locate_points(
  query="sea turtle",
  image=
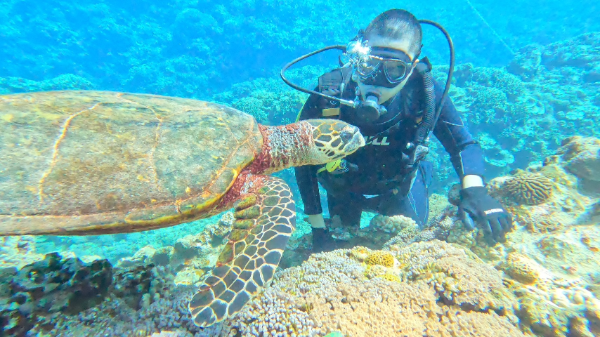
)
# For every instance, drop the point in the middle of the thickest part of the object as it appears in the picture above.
(94, 162)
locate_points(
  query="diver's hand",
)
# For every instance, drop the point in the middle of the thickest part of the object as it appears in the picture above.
(487, 213)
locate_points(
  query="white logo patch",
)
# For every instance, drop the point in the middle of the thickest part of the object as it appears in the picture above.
(493, 210)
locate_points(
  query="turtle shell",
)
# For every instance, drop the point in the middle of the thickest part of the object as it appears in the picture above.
(86, 162)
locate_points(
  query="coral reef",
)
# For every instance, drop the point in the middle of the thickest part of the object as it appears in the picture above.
(521, 113)
(185, 48)
(556, 198)
(191, 257)
(269, 100)
(140, 291)
(162, 308)
(391, 224)
(383, 228)
(336, 292)
(459, 277)
(135, 301)
(121, 246)
(42, 290)
(551, 257)
(12, 85)
(526, 270)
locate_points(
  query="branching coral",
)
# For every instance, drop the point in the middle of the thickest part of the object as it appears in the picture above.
(528, 188)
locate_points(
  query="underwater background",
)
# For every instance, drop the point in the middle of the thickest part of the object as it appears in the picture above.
(526, 81)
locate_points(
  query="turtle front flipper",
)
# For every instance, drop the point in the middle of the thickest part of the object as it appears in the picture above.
(265, 217)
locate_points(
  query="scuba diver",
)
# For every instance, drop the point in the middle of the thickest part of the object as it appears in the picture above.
(388, 93)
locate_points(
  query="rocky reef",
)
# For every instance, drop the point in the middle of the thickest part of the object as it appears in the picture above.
(65, 296)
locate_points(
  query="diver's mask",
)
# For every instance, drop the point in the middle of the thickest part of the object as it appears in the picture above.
(375, 67)
(383, 67)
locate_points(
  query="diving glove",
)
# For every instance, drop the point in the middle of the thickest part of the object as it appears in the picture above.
(322, 241)
(487, 213)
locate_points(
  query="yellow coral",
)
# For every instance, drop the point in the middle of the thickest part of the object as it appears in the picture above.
(380, 258)
(391, 277)
(528, 188)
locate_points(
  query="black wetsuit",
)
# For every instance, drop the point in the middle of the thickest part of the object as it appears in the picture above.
(376, 178)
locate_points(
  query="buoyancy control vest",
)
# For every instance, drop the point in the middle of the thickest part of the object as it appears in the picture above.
(338, 83)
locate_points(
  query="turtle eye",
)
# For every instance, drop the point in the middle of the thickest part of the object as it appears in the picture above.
(346, 136)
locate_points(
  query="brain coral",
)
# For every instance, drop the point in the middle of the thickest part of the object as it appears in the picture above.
(528, 188)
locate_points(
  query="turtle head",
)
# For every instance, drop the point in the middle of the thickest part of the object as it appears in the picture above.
(309, 142)
(333, 139)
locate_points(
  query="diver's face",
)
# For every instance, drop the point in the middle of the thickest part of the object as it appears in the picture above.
(384, 93)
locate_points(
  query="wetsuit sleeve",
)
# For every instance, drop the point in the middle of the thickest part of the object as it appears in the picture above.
(465, 153)
(306, 176)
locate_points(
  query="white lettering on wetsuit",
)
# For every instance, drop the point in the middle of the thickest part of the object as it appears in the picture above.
(375, 141)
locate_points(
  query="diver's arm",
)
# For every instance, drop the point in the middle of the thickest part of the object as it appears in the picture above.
(306, 176)
(465, 153)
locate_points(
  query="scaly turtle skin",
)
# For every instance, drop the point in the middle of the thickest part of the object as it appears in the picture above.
(91, 162)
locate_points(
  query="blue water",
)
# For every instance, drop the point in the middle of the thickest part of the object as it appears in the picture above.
(231, 52)
(200, 48)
